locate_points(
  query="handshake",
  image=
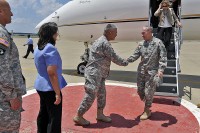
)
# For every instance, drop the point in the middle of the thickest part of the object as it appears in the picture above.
(126, 62)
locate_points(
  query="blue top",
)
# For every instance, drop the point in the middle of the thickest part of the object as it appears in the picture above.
(30, 41)
(44, 58)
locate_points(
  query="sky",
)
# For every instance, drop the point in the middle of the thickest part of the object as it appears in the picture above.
(28, 13)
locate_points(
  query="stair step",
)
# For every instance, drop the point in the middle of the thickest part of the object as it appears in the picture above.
(171, 67)
(169, 76)
(168, 84)
(171, 63)
(170, 55)
(167, 89)
(170, 71)
(169, 79)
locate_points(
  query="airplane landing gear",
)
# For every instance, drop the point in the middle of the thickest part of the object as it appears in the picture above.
(81, 68)
(84, 58)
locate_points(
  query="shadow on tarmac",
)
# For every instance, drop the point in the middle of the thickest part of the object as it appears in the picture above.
(121, 122)
(117, 121)
(162, 116)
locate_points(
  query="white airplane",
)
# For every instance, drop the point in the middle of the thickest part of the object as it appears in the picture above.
(84, 20)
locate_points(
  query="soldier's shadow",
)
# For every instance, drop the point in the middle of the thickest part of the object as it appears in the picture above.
(120, 122)
(117, 121)
(161, 116)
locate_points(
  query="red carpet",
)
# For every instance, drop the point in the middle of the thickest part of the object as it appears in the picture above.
(123, 106)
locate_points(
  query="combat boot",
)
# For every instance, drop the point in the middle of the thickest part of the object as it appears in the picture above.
(198, 105)
(79, 120)
(146, 114)
(102, 117)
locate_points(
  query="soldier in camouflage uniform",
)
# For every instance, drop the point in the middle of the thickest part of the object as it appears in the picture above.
(150, 70)
(97, 70)
(12, 85)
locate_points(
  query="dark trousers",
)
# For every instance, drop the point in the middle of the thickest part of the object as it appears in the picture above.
(50, 115)
(165, 34)
(30, 49)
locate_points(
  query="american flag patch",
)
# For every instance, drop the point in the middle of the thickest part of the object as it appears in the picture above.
(4, 42)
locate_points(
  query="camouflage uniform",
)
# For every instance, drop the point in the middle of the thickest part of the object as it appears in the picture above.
(11, 83)
(153, 58)
(97, 70)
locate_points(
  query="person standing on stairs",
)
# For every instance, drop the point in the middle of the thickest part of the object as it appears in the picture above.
(167, 18)
(150, 70)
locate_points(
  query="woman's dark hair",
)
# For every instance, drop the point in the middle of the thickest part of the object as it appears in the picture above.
(46, 33)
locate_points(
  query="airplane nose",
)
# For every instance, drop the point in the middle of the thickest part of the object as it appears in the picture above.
(51, 18)
(38, 26)
(47, 19)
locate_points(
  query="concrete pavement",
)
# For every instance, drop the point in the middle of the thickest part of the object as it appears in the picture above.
(189, 78)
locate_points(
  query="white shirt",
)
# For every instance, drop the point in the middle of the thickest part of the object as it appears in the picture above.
(29, 41)
(166, 23)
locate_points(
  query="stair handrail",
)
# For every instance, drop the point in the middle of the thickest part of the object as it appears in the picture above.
(178, 35)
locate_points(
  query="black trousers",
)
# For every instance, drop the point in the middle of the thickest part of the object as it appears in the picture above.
(30, 49)
(50, 115)
(165, 34)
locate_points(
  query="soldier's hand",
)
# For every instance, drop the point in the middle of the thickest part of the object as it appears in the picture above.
(58, 99)
(160, 74)
(125, 63)
(129, 60)
(179, 24)
(15, 104)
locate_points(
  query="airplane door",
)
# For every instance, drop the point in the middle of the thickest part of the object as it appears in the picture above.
(153, 6)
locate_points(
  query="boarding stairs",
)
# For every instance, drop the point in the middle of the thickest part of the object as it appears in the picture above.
(169, 87)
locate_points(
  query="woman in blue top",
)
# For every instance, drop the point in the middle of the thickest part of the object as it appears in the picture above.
(49, 81)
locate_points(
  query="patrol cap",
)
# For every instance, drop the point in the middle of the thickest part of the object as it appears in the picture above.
(109, 27)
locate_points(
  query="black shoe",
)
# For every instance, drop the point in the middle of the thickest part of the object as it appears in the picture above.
(179, 71)
(25, 57)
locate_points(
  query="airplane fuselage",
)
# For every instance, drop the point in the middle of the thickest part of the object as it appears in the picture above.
(84, 20)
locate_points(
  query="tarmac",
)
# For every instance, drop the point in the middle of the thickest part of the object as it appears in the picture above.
(124, 108)
(189, 79)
